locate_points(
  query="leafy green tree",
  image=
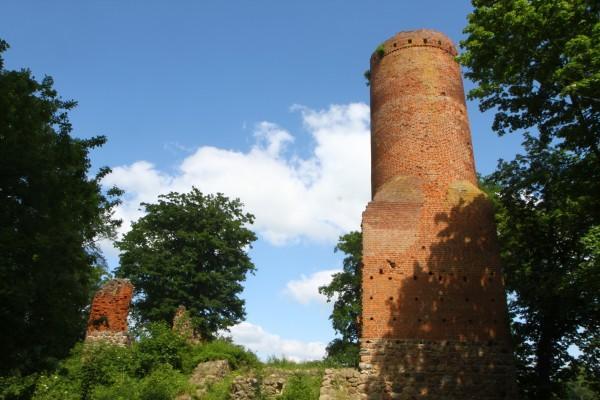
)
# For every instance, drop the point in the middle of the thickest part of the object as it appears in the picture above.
(345, 287)
(536, 63)
(51, 213)
(189, 249)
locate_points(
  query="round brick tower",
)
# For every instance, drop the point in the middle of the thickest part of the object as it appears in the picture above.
(434, 321)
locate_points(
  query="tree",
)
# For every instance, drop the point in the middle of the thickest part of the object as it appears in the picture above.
(346, 288)
(51, 213)
(537, 64)
(189, 249)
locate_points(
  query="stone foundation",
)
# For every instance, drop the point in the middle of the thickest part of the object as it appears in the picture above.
(414, 369)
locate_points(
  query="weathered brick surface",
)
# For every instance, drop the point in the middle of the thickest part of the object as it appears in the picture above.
(431, 263)
(108, 315)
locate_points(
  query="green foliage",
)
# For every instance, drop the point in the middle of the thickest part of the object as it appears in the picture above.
(189, 249)
(346, 285)
(17, 387)
(343, 353)
(219, 390)
(153, 368)
(380, 51)
(236, 355)
(163, 383)
(159, 345)
(367, 76)
(537, 64)
(302, 386)
(51, 214)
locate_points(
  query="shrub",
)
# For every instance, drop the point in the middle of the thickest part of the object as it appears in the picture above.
(17, 387)
(157, 345)
(219, 390)
(237, 356)
(164, 383)
(124, 389)
(302, 386)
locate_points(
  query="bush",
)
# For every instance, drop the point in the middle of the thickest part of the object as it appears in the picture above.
(302, 386)
(219, 390)
(164, 383)
(237, 356)
(17, 387)
(153, 369)
(157, 345)
(125, 389)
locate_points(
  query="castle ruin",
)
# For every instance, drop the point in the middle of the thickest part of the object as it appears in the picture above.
(434, 321)
(108, 315)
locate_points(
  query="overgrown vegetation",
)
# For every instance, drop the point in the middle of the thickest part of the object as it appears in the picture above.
(536, 64)
(52, 212)
(346, 288)
(380, 51)
(155, 367)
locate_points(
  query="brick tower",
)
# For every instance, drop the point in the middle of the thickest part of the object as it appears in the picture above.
(434, 321)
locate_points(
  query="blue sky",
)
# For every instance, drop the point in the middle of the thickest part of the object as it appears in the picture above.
(261, 100)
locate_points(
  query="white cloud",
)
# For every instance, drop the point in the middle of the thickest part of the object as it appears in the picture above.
(267, 344)
(317, 197)
(306, 289)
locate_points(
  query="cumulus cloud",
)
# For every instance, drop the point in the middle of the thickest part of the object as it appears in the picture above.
(266, 344)
(317, 197)
(306, 289)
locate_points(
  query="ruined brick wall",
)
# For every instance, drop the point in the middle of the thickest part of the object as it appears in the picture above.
(434, 321)
(108, 315)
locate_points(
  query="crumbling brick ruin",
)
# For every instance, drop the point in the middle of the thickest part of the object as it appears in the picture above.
(434, 321)
(183, 326)
(108, 315)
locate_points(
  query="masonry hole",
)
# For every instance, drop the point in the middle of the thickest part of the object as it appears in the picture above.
(371, 318)
(416, 299)
(440, 278)
(430, 273)
(414, 277)
(371, 277)
(393, 319)
(423, 247)
(371, 298)
(439, 42)
(381, 270)
(464, 278)
(389, 278)
(391, 298)
(394, 44)
(424, 40)
(409, 41)
(419, 320)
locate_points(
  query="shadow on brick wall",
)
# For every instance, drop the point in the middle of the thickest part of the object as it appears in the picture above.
(448, 334)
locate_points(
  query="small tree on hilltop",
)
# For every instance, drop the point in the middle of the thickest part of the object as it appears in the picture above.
(189, 249)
